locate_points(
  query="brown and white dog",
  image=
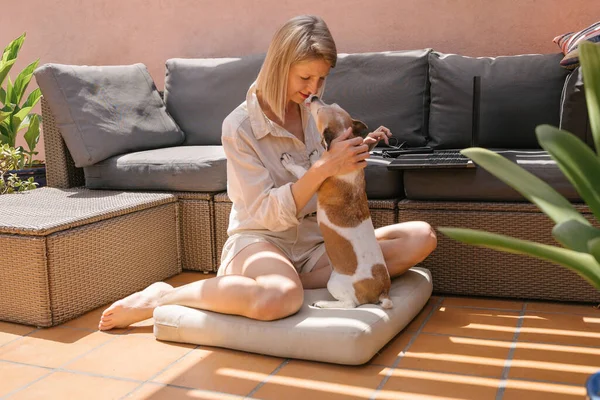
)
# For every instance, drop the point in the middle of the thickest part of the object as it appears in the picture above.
(359, 273)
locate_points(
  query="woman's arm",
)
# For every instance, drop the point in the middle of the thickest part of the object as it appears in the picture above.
(343, 156)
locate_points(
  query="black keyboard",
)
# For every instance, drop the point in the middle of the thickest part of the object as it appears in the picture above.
(443, 157)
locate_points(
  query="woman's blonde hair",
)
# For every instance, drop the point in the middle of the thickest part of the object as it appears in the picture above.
(302, 38)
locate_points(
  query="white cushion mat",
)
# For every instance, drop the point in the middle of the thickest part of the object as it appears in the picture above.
(341, 336)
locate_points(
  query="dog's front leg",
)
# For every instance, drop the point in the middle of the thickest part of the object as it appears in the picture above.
(288, 163)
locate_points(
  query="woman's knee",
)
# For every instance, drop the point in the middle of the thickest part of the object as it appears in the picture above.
(276, 303)
(427, 236)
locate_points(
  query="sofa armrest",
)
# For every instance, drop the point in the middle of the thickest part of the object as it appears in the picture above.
(61, 171)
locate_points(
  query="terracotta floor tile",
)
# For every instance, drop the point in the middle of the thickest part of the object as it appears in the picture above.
(483, 303)
(10, 332)
(390, 352)
(488, 324)
(314, 381)
(519, 390)
(188, 277)
(219, 370)
(409, 384)
(416, 323)
(561, 328)
(152, 391)
(52, 347)
(15, 376)
(588, 309)
(131, 356)
(460, 355)
(63, 385)
(554, 363)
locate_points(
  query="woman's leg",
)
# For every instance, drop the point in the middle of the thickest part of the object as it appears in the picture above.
(259, 283)
(406, 244)
(403, 245)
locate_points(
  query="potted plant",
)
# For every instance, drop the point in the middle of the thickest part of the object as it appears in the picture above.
(580, 240)
(16, 113)
(9, 181)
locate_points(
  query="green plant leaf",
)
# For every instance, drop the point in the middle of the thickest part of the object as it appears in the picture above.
(2, 95)
(22, 81)
(594, 248)
(9, 56)
(5, 112)
(4, 138)
(33, 98)
(575, 235)
(8, 136)
(19, 117)
(582, 263)
(549, 201)
(589, 57)
(577, 162)
(9, 92)
(5, 67)
(32, 135)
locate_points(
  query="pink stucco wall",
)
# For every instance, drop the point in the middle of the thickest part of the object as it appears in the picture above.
(151, 31)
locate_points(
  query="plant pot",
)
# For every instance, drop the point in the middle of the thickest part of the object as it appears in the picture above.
(593, 386)
(37, 172)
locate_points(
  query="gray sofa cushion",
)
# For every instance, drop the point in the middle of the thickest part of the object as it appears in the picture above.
(517, 94)
(182, 168)
(103, 111)
(200, 93)
(387, 88)
(382, 183)
(573, 108)
(476, 184)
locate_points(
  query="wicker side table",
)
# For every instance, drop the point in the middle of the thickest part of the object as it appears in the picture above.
(64, 252)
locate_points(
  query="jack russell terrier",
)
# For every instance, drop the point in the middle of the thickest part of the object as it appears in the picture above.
(359, 274)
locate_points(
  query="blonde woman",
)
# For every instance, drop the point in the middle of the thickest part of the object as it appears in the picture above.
(275, 248)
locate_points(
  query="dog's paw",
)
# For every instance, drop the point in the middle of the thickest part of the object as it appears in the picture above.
(287, 160)
(313, 156)
(333, 304)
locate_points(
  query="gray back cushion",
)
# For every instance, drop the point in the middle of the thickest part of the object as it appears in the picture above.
(387, 88)
(200, 93)
(573, 108)
(517, 94)
(103, 111)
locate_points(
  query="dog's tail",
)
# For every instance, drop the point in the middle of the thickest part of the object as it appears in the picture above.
(385, 300)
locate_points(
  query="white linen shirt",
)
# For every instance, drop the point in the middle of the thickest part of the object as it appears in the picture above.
(258, 184)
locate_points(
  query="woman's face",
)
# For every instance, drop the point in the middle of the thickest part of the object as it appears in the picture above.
(306, 78)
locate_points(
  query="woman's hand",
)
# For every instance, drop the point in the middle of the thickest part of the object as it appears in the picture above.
(344, 155)
(378, 134)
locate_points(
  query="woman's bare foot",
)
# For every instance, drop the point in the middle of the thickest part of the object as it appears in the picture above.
(134, 308)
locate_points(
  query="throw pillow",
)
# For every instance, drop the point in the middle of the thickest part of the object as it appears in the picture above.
(569, 44)
(200, 93)
(384, 88)
(517, 94)
(573, 108)
(103, 111)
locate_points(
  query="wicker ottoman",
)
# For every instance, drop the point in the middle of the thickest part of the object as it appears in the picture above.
(64, 252)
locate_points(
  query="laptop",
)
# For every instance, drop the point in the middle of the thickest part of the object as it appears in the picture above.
(430, 158)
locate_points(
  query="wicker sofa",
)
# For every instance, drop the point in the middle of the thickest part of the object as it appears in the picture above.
(423, 97)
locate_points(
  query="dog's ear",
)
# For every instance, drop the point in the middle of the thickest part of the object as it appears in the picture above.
(359, 128)
(328, 136)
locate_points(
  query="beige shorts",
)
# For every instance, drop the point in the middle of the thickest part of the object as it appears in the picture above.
(303, 260)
